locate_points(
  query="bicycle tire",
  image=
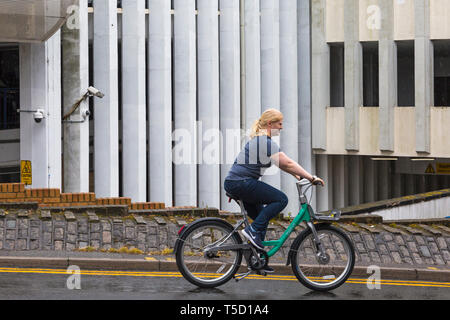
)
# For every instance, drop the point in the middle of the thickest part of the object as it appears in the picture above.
(205, 279)
(317, 278)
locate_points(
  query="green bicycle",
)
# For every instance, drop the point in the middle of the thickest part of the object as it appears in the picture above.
(209, 251)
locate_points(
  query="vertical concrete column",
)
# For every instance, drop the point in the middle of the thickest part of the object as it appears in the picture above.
(305, 155)
(208, 104)
(353, 74)
(185, 115)
(134, 132)
(40, 88)
(384, 180)
(355, 179)
(230, 91)
(320, 82)
(370, 180)
(423, 48)
(75, 74)
(252, 62)
(410, 184)
(270, 54)
(434, 183)
(421, 183)
(270, 71)
(397, 185)
(106, 118)
(159, 68)
(289, 95)
(325, 194)
(340, 182)
(387, 76)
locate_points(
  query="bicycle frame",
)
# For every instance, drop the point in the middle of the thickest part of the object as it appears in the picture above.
(303, 215)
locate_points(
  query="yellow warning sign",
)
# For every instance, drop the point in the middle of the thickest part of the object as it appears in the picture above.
(443, 168)
(25, 172)
(430, 169)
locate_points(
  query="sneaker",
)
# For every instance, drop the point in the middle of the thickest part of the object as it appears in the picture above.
(254, 237)
(268, 269)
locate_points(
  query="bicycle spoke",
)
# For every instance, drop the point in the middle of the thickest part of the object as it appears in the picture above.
(327, 268)
(208, 266)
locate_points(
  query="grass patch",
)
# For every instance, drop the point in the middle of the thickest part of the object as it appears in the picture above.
(164, 252)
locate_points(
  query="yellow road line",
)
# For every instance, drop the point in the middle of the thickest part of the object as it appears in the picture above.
(210, 275)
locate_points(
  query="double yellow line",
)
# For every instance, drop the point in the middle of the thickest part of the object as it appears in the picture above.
(178, 275)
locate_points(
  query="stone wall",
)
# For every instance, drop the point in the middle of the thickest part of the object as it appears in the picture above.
(415, 242)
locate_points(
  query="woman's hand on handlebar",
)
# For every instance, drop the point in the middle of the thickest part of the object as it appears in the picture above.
(317, 181)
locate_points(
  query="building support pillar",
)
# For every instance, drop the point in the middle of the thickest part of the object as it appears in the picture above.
(370, 180)
(353, 74)
(230, 91)
(106, 120)
(325, 194)
(356, 180)
(270, 72)
(208, 104)
(388, 76)
(75, 74)
(252, 63)
(340, 182)
(134, 133)
(160, 102)
(289, 96)
(304, 120)
(320, 83)
(410, 184)
(185, 135)
(424, 78)
(384, 180)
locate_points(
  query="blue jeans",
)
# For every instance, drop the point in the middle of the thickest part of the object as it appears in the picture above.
(261, 201)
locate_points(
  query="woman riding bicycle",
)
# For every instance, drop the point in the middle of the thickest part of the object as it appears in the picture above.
(262, 201)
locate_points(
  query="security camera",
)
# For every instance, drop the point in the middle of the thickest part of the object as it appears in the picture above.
(38, 115)
(95, 92)
(86, 114)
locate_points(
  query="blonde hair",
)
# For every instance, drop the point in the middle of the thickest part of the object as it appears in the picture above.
(260, 125)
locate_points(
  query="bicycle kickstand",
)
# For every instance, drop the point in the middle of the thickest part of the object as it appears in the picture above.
(241, 276)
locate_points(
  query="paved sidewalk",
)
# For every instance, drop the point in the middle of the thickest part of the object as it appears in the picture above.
(167, 263)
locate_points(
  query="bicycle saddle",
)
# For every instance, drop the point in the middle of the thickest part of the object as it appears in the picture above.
(232, 197)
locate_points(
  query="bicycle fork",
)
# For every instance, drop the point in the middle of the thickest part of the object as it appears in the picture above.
(321, 254)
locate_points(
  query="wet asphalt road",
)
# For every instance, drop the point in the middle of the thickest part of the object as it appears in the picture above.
(45, 285)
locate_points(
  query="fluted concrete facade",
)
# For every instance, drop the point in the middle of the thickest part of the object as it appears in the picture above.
(106, 73)
(134, 126)
(194, 79)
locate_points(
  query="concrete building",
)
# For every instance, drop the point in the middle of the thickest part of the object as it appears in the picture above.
(380, 70)
(183, 81)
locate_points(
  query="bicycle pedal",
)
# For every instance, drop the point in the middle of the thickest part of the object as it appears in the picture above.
(262, 273)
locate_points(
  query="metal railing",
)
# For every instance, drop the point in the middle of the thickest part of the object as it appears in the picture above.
(9, 103)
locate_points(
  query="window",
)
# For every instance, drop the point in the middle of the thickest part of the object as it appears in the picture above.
(9, 88)
(370, 74)
(442, 73)
(337, 75)
(10, 175)
(405, 74)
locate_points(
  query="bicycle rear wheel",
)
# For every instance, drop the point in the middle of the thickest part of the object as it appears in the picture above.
(208, 269)
(326, 273)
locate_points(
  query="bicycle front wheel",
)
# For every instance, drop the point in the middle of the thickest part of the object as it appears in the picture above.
(204, 268)
(323, 273)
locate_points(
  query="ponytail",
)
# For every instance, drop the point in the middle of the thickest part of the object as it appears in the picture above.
(256, 130)
(259, 126)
